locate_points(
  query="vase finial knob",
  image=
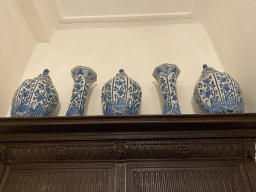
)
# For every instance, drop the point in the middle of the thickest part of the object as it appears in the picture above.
(46, 71)
(205, 66)
(45, 74)
(121, 72)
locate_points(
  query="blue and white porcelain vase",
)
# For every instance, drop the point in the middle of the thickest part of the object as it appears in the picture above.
(35, 97)
(121, 95)
(83, 78)
(217, 92)
(166, 76)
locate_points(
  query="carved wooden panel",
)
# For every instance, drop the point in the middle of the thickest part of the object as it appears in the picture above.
(184, 149)
(27, 152)
(123, 150)
(187, 180)
(129, 153)
(181, 176)
(59, 180)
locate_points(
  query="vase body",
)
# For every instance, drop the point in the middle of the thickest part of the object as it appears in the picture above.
(121, 96)
(83, 78)
(35, 97)
(166, 76)
(217, 92)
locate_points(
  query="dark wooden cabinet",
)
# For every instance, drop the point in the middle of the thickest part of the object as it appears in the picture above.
(144, 153)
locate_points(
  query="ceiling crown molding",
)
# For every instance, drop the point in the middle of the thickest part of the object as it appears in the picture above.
(126, 18)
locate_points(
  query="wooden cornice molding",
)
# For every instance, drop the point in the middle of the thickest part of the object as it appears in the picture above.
(121, 138)
(128, 127)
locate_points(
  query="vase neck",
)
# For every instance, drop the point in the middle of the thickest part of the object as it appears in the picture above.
(165, 70)
(85, 73)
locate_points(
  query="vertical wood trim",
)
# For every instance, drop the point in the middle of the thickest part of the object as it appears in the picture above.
(2, 167)
(4, 178)
(245, 177)
(120, 178)
(251, 172)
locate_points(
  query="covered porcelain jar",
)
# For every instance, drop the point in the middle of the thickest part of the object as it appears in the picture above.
(217, 92)
(121, 95)
(35, 97)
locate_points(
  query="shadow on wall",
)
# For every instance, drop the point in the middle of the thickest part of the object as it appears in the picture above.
(56, 112)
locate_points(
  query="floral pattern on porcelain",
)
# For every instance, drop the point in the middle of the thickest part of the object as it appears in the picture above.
(121, 95)
(35, 97)
(217, 92)
(83, 78)
(166, 76)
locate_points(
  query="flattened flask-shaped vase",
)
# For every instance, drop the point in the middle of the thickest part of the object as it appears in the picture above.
(83, 78)
(166, 76)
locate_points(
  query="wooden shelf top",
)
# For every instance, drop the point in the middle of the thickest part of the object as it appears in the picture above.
(128, 127)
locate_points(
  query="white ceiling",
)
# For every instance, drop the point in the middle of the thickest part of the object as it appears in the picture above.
(98, 11)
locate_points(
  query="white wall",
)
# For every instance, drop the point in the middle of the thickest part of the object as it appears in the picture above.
(40, 18)
(16, 46)
(231, 26)
(137, 50)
